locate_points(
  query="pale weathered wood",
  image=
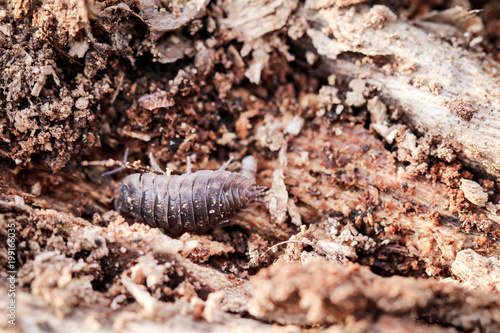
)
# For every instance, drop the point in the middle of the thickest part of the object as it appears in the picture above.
(443, 89)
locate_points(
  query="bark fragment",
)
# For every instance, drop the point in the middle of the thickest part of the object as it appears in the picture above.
(327, 292)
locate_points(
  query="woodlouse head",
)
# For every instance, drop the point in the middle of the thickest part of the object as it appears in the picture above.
(122, 203)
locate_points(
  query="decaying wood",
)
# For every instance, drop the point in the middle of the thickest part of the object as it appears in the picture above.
(362, 124)
(357, 185)
(442, 90)
(83, 319)
(478, 271)
(322, 292)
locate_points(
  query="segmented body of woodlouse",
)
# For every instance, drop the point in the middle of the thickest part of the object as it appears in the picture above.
(187, 202)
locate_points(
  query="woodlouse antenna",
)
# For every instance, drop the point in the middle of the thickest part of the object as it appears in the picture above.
(125, 165)
(119, 169)
(106, 174)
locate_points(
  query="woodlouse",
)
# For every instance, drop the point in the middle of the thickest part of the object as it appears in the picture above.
(188, 202)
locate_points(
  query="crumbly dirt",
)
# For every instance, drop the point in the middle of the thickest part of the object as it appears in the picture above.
(369, 224)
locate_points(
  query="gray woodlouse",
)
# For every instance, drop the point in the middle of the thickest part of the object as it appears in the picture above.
(188, 202)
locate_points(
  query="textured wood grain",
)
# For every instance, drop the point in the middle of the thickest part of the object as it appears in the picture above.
(442, 89)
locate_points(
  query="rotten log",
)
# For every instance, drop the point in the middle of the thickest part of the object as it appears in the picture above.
(443, 90)
(393, 197)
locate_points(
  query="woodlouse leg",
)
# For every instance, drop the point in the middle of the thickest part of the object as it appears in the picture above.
(226, 164)
(156, 168)
(155, 165)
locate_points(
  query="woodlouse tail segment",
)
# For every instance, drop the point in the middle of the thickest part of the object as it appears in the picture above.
(259, 200)
(106, 174)
(254, 192)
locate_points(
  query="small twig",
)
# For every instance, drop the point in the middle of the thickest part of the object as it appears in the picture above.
(317, 248)
(118, 88)
(108, 164)
(12, 206)
(136, 165)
